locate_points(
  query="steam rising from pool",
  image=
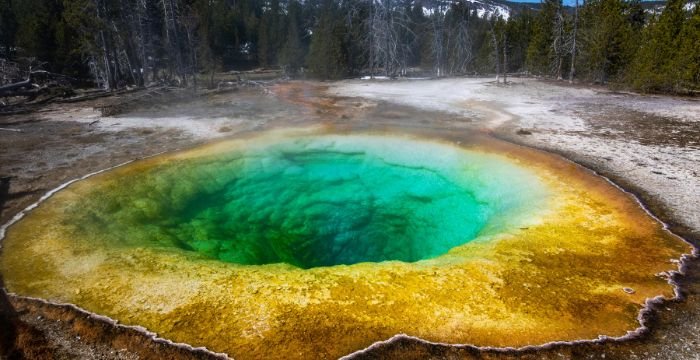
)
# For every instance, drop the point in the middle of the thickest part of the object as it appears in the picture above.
(314, 201)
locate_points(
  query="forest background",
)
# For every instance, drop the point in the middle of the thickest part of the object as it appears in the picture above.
(117, 43)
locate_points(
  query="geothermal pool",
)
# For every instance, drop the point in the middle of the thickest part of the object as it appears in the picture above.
(306, 243)
(313, 201)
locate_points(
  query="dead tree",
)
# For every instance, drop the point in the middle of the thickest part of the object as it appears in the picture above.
(172, 36)
(505, 56)
(189, 25)
(17, 89)
(493, 24)
(558, 41)
(459, 39)
(438, 46)
(38, 82)
(9, 71)
(106, 51)
(371, 39)
(573, 45)
(388, 26)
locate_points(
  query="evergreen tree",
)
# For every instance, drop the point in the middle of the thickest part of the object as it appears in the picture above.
(326, 57)
(540, 47)
(687, 59)
(655, 67)
(37, 22)
(417, 26)
(354, 15)
(269, 34)
(519, 31)
(8, 29)
(293, 52)
(122, 42)
(608, 40)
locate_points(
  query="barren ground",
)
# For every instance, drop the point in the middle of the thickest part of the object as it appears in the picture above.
(649, 145)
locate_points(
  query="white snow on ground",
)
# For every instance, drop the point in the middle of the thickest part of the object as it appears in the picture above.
(669, 173)
(483, 9)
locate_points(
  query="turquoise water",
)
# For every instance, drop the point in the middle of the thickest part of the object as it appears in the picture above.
(316, 201)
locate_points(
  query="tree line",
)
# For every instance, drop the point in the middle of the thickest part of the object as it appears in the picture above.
(114, 43)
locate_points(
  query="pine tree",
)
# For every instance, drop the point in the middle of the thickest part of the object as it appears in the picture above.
(326, 57)
(8, 29)
(655, 67)
(265, 46)
(540, 47)
(608, 40)
(687, 59)
(519, 31)
(293, 51)
(35, 36)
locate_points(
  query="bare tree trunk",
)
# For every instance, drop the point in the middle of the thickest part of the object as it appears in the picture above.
(505, 56)
(559, 40)
(559, 67)
(387, 30)
(117, 71)
(371, 39)
(189, 25)
(438, 42)
(130, 41)
(573, 46)
(143, 37)
(172, 37)
(494, 39)
(463, 44)
(9, 88)
(111, 83)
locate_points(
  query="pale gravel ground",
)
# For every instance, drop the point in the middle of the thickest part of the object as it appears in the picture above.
(561, 118)
(206, 118)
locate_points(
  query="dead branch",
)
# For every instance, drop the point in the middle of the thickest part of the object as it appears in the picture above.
(17, 88)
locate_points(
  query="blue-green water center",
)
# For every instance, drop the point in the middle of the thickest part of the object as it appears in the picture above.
(313, 201)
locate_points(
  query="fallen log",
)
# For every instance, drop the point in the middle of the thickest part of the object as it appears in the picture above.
(16, 88)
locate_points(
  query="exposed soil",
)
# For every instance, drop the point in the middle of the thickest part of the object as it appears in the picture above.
(647, 129)
(65, 141)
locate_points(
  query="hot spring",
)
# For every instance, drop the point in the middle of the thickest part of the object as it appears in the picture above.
(304, 243)
(317, 201)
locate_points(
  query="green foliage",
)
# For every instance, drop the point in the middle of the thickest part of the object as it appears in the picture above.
(539, 49)
(485, 61)
(122, 42)
(293, 51)
(608, 39)
(270, 34)
(519, 32)
(661, 64)
(8, 28)
(687, 58)
(36, 28)
(327, 58)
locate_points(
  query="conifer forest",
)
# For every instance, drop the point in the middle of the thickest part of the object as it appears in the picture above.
(648, 47)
